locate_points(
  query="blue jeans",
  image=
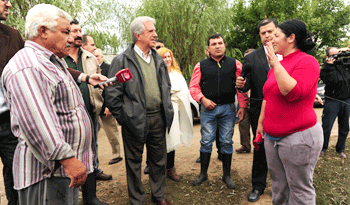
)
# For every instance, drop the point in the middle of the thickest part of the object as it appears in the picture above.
(223, 118)
(332, 110)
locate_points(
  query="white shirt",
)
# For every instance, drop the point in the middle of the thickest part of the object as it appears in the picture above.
(142, 55)
(280, 57)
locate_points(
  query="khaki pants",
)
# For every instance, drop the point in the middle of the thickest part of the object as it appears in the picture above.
(244, 130)
(109, 124)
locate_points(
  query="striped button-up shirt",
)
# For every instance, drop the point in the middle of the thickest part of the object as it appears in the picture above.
(47, 115)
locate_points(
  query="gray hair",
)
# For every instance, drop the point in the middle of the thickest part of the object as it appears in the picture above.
(137, 26)
(43, 15)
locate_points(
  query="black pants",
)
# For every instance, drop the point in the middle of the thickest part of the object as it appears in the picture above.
(170, 160)
(8, 144)
(155, 141)
(259, 171)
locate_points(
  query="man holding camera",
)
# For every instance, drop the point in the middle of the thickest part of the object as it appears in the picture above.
(337, 104)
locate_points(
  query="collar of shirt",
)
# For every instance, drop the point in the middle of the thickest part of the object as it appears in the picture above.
(31, 44)
(47, 53)
(142, 55)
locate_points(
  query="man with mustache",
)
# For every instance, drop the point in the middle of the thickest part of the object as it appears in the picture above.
(213, 85)
(54, 153)
(84, 61)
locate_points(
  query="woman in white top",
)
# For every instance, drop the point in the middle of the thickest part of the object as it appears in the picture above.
(181, 131)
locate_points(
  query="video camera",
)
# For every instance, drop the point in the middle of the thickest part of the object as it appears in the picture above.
(341, 60)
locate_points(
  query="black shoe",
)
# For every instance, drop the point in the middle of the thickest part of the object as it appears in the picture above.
(254, 195)
(115, 160)
(198, 160)
(146, 171)
(103, 176)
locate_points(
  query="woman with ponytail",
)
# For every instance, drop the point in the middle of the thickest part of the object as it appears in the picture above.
(288, 122)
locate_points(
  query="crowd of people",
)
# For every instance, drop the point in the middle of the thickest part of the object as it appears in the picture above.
(51, 113)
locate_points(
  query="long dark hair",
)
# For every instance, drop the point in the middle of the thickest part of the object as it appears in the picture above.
(303, 39)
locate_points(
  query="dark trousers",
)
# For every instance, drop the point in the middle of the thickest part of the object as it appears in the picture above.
(53, 190)
(259, 170)
(8, 143)
(94, 144)
(155, 141)
(170, 158)
(332, 110)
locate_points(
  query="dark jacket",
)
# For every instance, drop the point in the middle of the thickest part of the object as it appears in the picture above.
(256, 79)
(337, 80)
(104, 68)
(104, 71)
(218, 79)
(127, 101)
(11, 41)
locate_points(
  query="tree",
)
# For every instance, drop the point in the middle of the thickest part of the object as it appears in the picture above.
(185, 25)
(88, 12)
(328, 20)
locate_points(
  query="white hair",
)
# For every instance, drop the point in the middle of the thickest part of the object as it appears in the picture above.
(43, 15)
(137, 26)
(100, 51)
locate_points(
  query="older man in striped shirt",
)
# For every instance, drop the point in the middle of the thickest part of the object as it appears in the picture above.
(54, 154)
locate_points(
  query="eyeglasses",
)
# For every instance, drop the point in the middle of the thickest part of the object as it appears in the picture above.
(6, 1)
(157, 47)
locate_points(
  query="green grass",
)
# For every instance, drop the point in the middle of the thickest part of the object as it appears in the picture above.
(332, 179)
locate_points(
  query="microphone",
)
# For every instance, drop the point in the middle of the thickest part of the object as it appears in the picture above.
(121, 76)
(247, 69)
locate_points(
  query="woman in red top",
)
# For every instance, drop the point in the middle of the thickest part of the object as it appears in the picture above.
(288, 122)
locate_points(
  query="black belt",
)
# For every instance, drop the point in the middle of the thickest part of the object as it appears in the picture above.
(5, 117)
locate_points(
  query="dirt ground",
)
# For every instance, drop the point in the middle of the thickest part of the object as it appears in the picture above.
(184, 162)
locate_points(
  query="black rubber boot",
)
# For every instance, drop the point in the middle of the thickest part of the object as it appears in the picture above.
(205, 159)
(89, 191)
(226, 164)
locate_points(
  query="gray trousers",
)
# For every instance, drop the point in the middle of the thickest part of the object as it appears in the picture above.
(51, 191)
(155, 141)
(291, 162)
